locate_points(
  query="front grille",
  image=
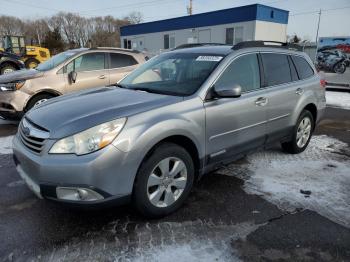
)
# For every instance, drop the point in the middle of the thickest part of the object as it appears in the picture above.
(31, 137)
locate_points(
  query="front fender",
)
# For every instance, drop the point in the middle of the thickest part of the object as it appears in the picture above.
(144, 131)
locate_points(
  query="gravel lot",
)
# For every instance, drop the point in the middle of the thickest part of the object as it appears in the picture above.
(256, 209)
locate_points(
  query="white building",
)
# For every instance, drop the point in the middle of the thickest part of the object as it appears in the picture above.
(228, 26)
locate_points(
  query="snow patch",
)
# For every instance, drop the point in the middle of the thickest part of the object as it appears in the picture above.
(6, 145)
(198, 240)
(338, 99)
(322, 169)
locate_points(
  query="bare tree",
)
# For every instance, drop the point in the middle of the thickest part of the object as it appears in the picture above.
(134, 17)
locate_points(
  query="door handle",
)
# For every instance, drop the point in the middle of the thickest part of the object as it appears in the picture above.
(102, 77)
(299, 91)
(261, 101)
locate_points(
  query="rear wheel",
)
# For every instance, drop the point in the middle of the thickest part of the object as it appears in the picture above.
(38, 100)
(31, 63)
(7, 68)
(164, 181)
(302, 133)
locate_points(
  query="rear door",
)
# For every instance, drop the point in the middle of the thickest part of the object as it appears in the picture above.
(91, 69)
(234, 125)
(282, 92)
(120, 65)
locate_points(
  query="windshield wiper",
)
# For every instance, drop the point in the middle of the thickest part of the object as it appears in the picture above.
(120, 85)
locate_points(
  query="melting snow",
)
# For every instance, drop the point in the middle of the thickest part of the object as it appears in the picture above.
(338, 99)
(323, 169)
(6, 145)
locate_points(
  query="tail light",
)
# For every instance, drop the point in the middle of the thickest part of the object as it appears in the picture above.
(323, 83)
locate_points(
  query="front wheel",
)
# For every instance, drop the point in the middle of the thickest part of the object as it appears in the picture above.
(339, 68)
(164, 181)
(38, 100)
(301, 134)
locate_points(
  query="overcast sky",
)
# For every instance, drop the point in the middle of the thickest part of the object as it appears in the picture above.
(334, 22)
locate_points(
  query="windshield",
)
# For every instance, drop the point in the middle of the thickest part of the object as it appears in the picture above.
(55, 60)
(179, 74)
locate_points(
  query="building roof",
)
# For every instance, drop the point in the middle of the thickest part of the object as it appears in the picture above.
(225, 16)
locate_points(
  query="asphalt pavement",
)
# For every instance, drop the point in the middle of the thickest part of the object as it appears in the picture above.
(219, 222)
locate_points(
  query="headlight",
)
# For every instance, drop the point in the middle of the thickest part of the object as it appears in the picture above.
(12, 86)
(90, 140)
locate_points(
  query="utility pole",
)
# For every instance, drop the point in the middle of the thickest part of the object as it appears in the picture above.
(318, 29)
(190, 8)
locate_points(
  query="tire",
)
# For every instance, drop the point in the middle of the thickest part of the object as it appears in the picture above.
(7, 68)
(151, 182)
(31, 63)
(339, 68)
(36, 100)
(293, 146)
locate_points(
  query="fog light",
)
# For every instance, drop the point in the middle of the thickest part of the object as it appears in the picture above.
(77, 194)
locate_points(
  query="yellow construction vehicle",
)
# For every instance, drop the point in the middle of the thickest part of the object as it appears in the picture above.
(30, 55)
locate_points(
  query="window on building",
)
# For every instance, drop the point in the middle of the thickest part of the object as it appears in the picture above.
(303, 67)
(121, 60)
(276, 69)
(243, 71)
(129, 44)
(125, 45)
(234, 35)
(166, 41)
(169, 41)
(229, 35)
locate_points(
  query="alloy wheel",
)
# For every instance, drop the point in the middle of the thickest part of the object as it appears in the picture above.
(303, 132)
(39, 102)
(167, 182)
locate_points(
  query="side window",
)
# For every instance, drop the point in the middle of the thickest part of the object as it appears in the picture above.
(122, 60)
(243, 71)
(303, 67)
(276, 69)
(89, 62)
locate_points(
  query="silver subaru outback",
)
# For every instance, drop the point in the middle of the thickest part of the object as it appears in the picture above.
(180, 115)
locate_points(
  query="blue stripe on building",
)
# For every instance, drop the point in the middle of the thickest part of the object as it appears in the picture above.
(225, 16)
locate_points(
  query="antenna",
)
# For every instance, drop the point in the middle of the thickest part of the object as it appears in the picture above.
(190, 8)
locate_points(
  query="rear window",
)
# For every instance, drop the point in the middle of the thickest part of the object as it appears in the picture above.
(303, 67)
(121, 60)
(276, 69)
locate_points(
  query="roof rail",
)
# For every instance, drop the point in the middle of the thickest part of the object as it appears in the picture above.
(260, 43)
(116, 49)
(195, 45)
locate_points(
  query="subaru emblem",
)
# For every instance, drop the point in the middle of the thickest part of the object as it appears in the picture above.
(26, 131)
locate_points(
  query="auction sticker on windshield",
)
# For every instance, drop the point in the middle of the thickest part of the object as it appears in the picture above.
(209, 58)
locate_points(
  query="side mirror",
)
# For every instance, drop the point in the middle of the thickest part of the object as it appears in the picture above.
(72, 76)
(234, 90)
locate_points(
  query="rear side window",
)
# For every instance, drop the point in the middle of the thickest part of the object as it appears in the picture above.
(122, 60)
(303, 67)
(243, 71)
(276, 69)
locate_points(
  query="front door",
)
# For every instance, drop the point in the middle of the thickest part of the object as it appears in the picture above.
(234, 125)
(91, 72)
